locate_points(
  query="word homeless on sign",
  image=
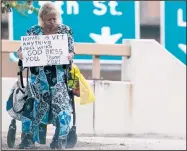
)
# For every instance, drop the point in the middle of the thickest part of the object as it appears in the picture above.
(44, 50)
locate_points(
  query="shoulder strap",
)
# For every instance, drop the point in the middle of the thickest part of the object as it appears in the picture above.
(20, 73)
(67, 70)
(74, 113)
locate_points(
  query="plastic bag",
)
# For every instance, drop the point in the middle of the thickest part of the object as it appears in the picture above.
(81, 88)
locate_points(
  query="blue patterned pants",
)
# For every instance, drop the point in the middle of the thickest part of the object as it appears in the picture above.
(64, 119)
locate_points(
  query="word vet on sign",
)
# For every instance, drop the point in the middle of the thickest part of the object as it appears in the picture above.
(42, 50)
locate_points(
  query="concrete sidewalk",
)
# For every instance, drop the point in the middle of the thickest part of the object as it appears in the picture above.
(112, 143)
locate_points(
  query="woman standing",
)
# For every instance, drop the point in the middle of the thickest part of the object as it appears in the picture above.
(47, 86)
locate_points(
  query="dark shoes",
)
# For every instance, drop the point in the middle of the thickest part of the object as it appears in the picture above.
(58, 143)
(11, 136)
(26, 141)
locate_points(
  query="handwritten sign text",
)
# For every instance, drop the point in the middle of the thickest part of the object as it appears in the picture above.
(44, 50)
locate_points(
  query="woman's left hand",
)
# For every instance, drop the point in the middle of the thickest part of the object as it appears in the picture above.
(70, 56)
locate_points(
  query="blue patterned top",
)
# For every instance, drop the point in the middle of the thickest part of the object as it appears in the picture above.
(46, 83)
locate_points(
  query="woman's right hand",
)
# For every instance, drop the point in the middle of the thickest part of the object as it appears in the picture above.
(20, 56)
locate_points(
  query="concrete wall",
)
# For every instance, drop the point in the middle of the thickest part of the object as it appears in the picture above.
(107, 116)
(159, 89)
(156, 104)
(112, 107)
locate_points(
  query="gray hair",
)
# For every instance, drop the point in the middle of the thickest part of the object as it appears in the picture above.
(48, 8)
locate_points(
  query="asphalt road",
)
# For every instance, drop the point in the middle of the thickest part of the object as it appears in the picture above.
(112, 143)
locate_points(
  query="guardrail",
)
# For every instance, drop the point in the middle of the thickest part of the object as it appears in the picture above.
(96, 50)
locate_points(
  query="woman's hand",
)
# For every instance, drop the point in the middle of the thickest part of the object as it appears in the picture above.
(20, 56)
(70, 56)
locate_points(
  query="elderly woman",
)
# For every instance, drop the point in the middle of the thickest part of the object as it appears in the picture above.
(47, 87)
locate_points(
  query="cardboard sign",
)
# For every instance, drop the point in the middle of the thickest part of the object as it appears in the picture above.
(43, 50)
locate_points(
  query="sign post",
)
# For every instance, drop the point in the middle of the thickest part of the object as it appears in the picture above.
(173, 28)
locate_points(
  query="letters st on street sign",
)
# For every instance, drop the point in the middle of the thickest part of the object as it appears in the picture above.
(44, 50)
(173, 28)
(106, 22)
